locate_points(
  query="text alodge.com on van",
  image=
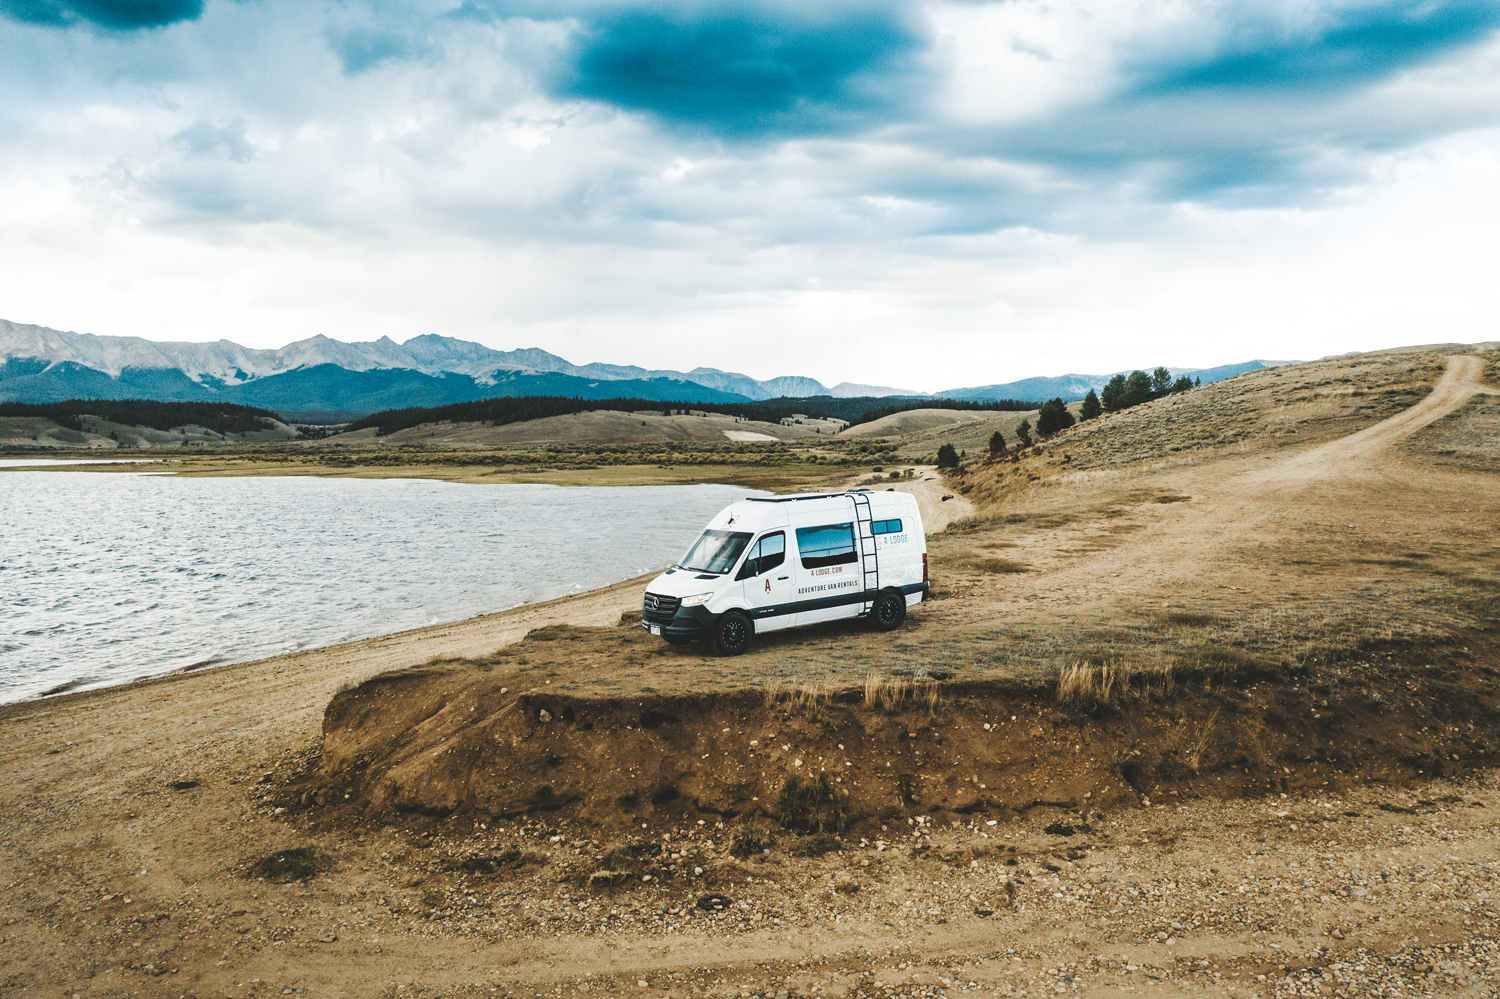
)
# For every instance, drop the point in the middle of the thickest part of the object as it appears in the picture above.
(769, 563)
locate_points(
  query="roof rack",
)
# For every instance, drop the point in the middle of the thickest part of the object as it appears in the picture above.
(801, 496)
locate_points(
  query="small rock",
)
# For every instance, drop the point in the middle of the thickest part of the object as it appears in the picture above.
(1337, 934)
(544, 716)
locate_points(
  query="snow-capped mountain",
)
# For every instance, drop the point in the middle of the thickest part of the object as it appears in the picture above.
(38, 364)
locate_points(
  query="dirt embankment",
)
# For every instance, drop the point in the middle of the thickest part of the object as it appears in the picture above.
(465, 739)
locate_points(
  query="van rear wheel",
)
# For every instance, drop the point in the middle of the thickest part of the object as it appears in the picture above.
(889, 610)
(731, 634)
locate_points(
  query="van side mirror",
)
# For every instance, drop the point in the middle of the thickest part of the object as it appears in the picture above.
(750, 568)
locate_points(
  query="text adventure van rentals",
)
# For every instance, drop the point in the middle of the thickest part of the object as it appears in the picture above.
(776, 562)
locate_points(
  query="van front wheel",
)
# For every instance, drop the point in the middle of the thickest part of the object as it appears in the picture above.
(889, 610)
(731, 634)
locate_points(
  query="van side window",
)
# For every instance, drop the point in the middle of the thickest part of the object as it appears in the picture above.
(767, 554)
(832, 544)
(886, 526)
(772, 551)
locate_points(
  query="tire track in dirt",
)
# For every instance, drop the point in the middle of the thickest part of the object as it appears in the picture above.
(1249, 517)
(1462, 379)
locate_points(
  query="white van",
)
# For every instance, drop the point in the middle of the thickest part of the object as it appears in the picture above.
(774, 562)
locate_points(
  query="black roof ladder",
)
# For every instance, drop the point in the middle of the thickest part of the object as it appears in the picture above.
(869, 557)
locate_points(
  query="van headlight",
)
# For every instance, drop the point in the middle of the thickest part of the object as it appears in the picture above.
(694, 601)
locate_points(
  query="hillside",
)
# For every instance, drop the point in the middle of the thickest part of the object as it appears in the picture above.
(599, 427)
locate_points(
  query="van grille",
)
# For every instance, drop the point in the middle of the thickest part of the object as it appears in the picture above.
(659, 608)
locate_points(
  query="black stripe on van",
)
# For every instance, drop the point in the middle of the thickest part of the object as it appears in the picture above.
(822, 603)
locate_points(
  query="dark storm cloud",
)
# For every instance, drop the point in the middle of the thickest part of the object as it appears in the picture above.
(746, 72)
(1346, 46)
(117, 15)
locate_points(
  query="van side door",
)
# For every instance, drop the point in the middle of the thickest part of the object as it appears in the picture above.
(829, 582)
(768, 583)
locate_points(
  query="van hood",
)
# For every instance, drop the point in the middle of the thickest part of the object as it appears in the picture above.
(685, 583)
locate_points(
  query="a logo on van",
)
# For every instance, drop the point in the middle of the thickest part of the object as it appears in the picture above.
(768, 584)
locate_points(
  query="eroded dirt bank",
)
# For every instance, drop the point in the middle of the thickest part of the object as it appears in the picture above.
(471, 740)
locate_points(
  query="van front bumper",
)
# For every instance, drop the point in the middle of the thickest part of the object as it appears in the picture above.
(687, 622)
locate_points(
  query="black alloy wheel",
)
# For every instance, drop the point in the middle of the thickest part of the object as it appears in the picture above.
(731, 634)
(889, 610)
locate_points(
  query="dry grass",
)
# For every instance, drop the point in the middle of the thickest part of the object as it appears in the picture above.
(1083, 683)
(892, 693)
(808, 700)
(885, 693)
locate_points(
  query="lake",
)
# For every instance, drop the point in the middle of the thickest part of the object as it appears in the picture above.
(108, 577)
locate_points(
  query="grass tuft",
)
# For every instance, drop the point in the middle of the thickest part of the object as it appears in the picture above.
(296, 864)
(618, 859)
(817, 844)
(812, 805)
(748, 839)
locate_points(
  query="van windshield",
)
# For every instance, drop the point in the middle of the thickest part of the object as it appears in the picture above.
(715, 552)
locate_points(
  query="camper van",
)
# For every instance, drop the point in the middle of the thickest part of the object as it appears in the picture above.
(774, 562)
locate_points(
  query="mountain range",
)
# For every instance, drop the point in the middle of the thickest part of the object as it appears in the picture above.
(320, 374)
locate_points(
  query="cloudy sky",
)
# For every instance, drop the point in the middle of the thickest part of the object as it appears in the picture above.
(919, 194)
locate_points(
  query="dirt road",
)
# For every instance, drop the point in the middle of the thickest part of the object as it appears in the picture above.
(1262, 524)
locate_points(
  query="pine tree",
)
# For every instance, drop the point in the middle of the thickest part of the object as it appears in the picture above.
(1023, 432)
(1113, 395)
(1161, 382)
(1183, 384)
(1137, 389)
(947, 456)
(1053, 417)
(1091, 407)
(997, 442)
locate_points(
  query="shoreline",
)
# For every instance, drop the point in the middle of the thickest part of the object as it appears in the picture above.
(785, 478)
(464, 638)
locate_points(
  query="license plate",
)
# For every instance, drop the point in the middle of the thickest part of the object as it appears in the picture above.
(656, 629)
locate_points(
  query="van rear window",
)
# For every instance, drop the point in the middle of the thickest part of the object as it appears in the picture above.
(886, 526)
(831, 544)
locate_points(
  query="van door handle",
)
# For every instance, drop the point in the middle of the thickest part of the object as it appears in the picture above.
(783, 577)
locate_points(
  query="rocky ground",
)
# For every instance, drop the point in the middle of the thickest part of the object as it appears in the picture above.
(1359, 891)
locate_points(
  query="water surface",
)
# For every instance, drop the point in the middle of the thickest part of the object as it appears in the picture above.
(109, 577)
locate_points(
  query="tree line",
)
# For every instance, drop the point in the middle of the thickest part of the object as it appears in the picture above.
(220, 417)
(1119, 393)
